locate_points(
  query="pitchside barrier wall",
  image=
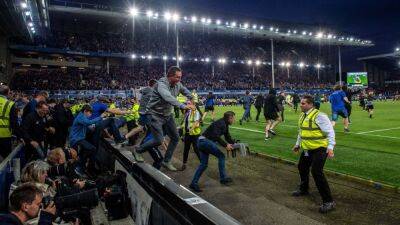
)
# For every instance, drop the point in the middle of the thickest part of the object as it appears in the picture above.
(155, 197)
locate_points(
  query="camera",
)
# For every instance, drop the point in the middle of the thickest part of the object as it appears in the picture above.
(46, 200)
(243, 148)
(66, 169)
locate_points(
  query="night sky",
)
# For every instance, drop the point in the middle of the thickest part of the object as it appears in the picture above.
(376, 20)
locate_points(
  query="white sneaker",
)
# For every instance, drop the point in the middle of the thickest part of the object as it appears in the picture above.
(169, 166)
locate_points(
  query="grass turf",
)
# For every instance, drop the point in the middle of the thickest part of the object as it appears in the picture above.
(364, 152)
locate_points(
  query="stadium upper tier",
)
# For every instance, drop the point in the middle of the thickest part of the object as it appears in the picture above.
(195, 76)
(264, 31)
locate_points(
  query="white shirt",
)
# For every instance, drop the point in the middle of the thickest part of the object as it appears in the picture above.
(326, 127)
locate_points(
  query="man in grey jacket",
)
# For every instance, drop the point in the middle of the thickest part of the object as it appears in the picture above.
(159, 109)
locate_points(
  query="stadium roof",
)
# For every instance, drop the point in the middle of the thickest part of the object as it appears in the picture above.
(23, 18)
(388, 61)
(266, 31)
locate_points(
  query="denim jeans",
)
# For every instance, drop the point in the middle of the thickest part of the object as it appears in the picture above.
(87, 151)
(120, 122)
(246, 114)
(109, 124)
(207, 147)
(158, 126)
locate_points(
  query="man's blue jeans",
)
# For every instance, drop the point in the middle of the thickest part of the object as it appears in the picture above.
(246, 114)
(160, 125)
(207, 147)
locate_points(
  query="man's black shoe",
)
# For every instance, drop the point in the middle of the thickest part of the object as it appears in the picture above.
(327, 206)
(195, 188)
(298, 193)
(226, 181)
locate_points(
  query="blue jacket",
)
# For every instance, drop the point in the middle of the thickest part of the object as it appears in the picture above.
(79, 127)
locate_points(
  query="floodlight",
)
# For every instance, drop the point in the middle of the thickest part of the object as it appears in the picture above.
(133, 11)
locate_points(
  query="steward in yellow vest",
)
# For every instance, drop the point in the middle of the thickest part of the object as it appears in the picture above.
(196, 102)
(131, 120)
(76, 108)
(8, 121)
(192, 131)
(316, 139)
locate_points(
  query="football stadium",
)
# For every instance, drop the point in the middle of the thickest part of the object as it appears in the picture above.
(199, 112)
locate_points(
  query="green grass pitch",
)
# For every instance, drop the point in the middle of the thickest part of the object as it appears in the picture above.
(371, 150)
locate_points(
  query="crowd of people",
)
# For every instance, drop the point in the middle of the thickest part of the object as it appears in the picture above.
(64, 136)
(125, 78)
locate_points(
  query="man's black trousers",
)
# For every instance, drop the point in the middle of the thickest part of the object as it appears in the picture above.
(316, 160)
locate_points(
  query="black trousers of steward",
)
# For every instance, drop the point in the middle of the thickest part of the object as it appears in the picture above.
(316, 161)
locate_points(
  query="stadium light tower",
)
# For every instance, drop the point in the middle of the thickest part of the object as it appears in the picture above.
(149, 13)
(165, 58)
(287, 65)
(133, 11)
(167, 16)
(397, 49)
(194, 19)
(318, 66)
(301, 66)
(24, 5)
(133, 56)
(175, 17)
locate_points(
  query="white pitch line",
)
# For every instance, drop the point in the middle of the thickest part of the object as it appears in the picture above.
(394, 128)
(376, 135)
(373, 135)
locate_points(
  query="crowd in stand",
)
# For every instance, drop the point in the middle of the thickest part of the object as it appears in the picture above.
(159, 41)
(196, 77)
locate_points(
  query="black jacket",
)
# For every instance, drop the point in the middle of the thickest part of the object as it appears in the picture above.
(10, 219)
(63, 118)
(270, 104)
(216, 130)
(259, 101)
(33, 127)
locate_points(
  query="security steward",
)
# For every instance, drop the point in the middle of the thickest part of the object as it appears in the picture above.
(8, 121)
(316, 139)
(196, 102)
(182, 99)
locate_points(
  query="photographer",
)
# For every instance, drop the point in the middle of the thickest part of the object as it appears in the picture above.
(207, 145)
(25, 203)
(61, 165)
(35, 172)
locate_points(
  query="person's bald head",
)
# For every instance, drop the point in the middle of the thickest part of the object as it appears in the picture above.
(4, 90)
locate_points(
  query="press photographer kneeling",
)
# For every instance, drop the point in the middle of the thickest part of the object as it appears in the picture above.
(25, 204)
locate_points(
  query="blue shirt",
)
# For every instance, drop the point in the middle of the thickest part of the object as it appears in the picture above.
(98, 109)
(79, 127)
(247, 101)
(337, 100)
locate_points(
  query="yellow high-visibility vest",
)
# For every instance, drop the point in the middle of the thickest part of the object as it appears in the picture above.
(195, 97)
(196, 130)
(5, 109)
(311, 135)
(181, 98)
(134, 115)
(76, 108)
